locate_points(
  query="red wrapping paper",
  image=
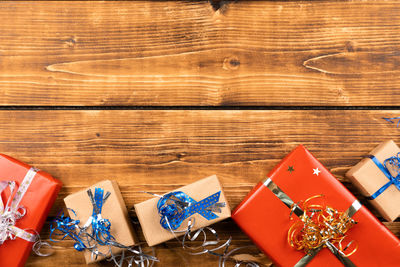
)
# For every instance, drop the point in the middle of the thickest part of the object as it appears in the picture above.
(38, 200)
(265, 219)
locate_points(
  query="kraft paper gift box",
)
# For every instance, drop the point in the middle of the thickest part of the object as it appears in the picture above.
(114, 210)
(149, 217)
(38, 199)
(264, 216)
(368, 178)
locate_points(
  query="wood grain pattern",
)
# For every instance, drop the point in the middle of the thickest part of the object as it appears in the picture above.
(163, 53)
(158, 151)
(186, 53)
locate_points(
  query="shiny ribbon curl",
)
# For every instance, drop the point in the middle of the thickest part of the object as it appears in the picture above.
(96, 232)
(394, 164)
(318, 225)
(298, 211)
(12, 211)
(214, 246)
(175, 207)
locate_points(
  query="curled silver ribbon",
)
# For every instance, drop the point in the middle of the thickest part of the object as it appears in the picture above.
(137, 257)
(214, 246)
(13, 211)
(40, 244)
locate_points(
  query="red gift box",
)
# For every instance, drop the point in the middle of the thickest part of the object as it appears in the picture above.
(38, 199)
(265, 218)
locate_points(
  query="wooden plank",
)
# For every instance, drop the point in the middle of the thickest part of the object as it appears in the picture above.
(158, 151)
(186, 53)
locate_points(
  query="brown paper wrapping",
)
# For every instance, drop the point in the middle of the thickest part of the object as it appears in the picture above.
(149, 218)
(369, 178)
(114, 210)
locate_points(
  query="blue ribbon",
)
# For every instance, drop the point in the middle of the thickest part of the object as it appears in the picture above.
(100, 227)
(65, 227)
(89, 240)
(175, 207)
(393, 161)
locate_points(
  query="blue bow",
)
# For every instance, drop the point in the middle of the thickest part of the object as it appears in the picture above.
(100, 231)
(395, 163)
(175, 207)
(100, 227)
(95, 233)
(65, 227)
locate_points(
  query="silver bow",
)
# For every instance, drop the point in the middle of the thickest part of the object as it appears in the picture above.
(11, 212)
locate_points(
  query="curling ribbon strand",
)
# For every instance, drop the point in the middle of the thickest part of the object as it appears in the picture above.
(11, 212)
(395, 163)
(319, 225)
(100, 227)
(295, 209)
(177, 206)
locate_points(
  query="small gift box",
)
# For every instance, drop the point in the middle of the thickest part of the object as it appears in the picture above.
(301, 215)
(113, 209)
(378, 178)
(200, 201)
(33, 194)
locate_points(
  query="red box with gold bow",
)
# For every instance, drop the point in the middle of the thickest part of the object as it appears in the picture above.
(301, 215)
(33, 195)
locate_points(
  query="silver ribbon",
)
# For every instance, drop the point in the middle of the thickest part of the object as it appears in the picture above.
(11, 212)
(215, 246)
(355, 206)
(136, 258)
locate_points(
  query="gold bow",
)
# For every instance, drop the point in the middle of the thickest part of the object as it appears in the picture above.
(318, 225)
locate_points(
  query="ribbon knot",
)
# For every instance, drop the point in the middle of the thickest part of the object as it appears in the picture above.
(100, 234)
(317, 226)
(177, 206)
(390, 165)
(320, 226)
(100, 227)
(11, 212)
(95, 232)
(8, 217)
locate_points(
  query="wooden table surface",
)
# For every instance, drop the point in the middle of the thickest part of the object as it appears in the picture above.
(158, 94)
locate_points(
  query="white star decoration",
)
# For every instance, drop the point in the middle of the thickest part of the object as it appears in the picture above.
(316, 171)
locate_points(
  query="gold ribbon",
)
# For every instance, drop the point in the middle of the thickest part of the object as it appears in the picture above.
(318, 225)
(303, 235)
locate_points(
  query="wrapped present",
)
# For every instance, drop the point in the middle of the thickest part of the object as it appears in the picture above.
(164, 217)
(378, 178)
(101, 204)
(302, 215)
(27, 196)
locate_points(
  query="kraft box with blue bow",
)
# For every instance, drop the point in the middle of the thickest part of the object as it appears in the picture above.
(166, 216)
(377, 176)
(113, 211)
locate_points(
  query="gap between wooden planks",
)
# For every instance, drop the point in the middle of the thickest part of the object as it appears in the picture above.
(158, 151)
(162, 53)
